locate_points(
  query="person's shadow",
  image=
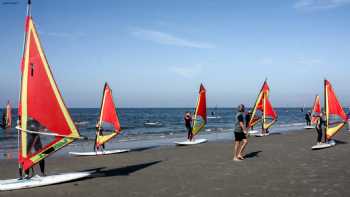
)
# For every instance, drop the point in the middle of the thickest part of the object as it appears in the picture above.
(252, 154)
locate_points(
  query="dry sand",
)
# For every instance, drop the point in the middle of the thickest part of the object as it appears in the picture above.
(277, 165)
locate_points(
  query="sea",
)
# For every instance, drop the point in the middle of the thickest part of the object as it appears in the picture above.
(138, 135)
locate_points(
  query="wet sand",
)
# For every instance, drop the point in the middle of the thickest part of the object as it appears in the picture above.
(277, 165)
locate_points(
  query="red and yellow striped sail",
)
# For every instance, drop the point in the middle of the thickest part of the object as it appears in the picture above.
(263, 104)
(333, 110)
(200, 115)
(41, 100)
(109, 115)
(316, 109)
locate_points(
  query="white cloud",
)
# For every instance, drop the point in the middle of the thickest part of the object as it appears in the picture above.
(187, 72)
(309, 62)
(265, 61)
(169, 39)
(320, 4)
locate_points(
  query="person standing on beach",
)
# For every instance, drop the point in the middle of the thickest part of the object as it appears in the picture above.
(240, 134)
(188, 125)
(308, 118)
(320, 122)
(34, 142)
(99, 131)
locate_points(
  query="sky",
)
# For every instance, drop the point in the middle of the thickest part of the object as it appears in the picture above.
(155, 53)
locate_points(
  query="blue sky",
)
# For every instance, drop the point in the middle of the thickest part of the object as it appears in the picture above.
(155, 53)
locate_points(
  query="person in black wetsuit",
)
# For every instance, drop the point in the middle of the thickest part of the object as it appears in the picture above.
(248, 117)
(34, 141)
(188, 125)
(308, 118)
(319, 127)
(99, 131)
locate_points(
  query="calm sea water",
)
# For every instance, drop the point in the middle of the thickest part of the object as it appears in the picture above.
(136, 134)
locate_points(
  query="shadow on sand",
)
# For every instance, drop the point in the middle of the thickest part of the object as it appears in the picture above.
(123, 171)
(252, 154)
(143, 148)
(340, 142)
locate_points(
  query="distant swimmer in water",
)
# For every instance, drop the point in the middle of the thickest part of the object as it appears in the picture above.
(240, 132)
(308, 118)
(320, 122)
(188, 125)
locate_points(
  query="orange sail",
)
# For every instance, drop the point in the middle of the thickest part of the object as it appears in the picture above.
(268, 115)
(200, 115)
(335, 114)
(316, 109)
(109, 115)
(40, 100)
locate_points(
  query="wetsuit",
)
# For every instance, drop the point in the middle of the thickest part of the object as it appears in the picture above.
(34, 142)
(319, 128)
(100, 131)
(188, 124)
(248, 116)
(308, 119)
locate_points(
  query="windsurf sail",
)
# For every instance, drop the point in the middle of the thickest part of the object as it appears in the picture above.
(335, 114)
(267, 115)
(316, 109)
(108, 115)
(200, 115)
(40, 100)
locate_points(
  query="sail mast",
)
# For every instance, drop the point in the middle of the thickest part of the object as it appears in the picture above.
(326, 108)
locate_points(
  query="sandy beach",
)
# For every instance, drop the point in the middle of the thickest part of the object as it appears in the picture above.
(278, 165)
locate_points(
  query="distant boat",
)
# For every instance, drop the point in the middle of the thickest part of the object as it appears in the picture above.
(200, 118)
(108, 118)
(316, 110)
(153, 124)
(336, 117)
(267, 116)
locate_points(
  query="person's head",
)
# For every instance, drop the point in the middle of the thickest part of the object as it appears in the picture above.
(241, 108)
(188, 113)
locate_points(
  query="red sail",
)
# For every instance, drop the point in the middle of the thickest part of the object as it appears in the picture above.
(202, 104)
(269, 111)
(263, 104)
(334, 107)
(201, 110)
(108, 112)
(41, 100)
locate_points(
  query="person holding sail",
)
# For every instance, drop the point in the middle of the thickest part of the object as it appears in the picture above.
(320, 122)
(188, 125)
(99, 132)
(33, 142)
(240, 132)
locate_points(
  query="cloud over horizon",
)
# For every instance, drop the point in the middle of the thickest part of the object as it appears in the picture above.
(320, 4)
